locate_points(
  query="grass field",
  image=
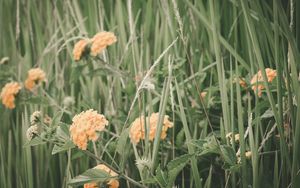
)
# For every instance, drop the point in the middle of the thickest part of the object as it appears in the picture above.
(186, 93)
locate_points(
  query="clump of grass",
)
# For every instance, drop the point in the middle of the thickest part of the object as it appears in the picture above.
(193, 61)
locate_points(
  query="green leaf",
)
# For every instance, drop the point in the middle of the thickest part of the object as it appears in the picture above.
(180, 137)
(122, 141)
(209, 178)
(235, 168)
(34, 142)
(62, 132)
(77, 154)
(268, 114)
(91, 175)
(228, 155)
(160, 177)
(199, 143)
(176, 166)
(56, 119)
(206, 146)
(149, 181)
(66, 146)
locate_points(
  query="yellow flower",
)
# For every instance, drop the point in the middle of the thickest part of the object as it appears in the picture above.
(100, 41)
(113, 183)
(242, 83)
(8, 94)
(137, 130)
(248, 154)
(230, 137)
(35, 76)
(203, 94)
(79, 49)
(237, 137)
(85, 127)
(258, 87)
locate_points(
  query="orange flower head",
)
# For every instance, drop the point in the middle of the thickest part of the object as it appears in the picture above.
(35, 76)
(101, 40)
(8, 94)
(113, 183)
(137, 130)
(203, 94)
(258, 87)
(91, 185)
(85, 127)
(79, 49)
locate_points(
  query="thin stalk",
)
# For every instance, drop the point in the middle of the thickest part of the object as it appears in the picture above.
(241, 132)
(69, 168)
(162, 110)
(95, 149)
(191, 149)
(220, 70)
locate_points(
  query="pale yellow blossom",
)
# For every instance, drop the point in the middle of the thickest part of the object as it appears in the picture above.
(85, 127)
(137, 129)
(257, 86)
(100, 41)
(79, 49)
(35, 76)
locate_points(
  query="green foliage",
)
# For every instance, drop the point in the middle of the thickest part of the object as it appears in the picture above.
(63, 137)
(166, 178)
(91, 175)
(167, 54)
(34, 142)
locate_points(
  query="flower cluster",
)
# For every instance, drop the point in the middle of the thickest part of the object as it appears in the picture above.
(231, 139)
(80, 48)
(97, 44)
(35, 117)
(35, 76)
(203, 94)
(112, 183)
(35, 128)
(137, 130)
(8, 94)
(100, 41)
(248, 155)
(10, 90)
(258, 87)
(32, 131)
(85, 126)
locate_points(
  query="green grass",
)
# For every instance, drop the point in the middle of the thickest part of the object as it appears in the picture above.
(181, 48)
